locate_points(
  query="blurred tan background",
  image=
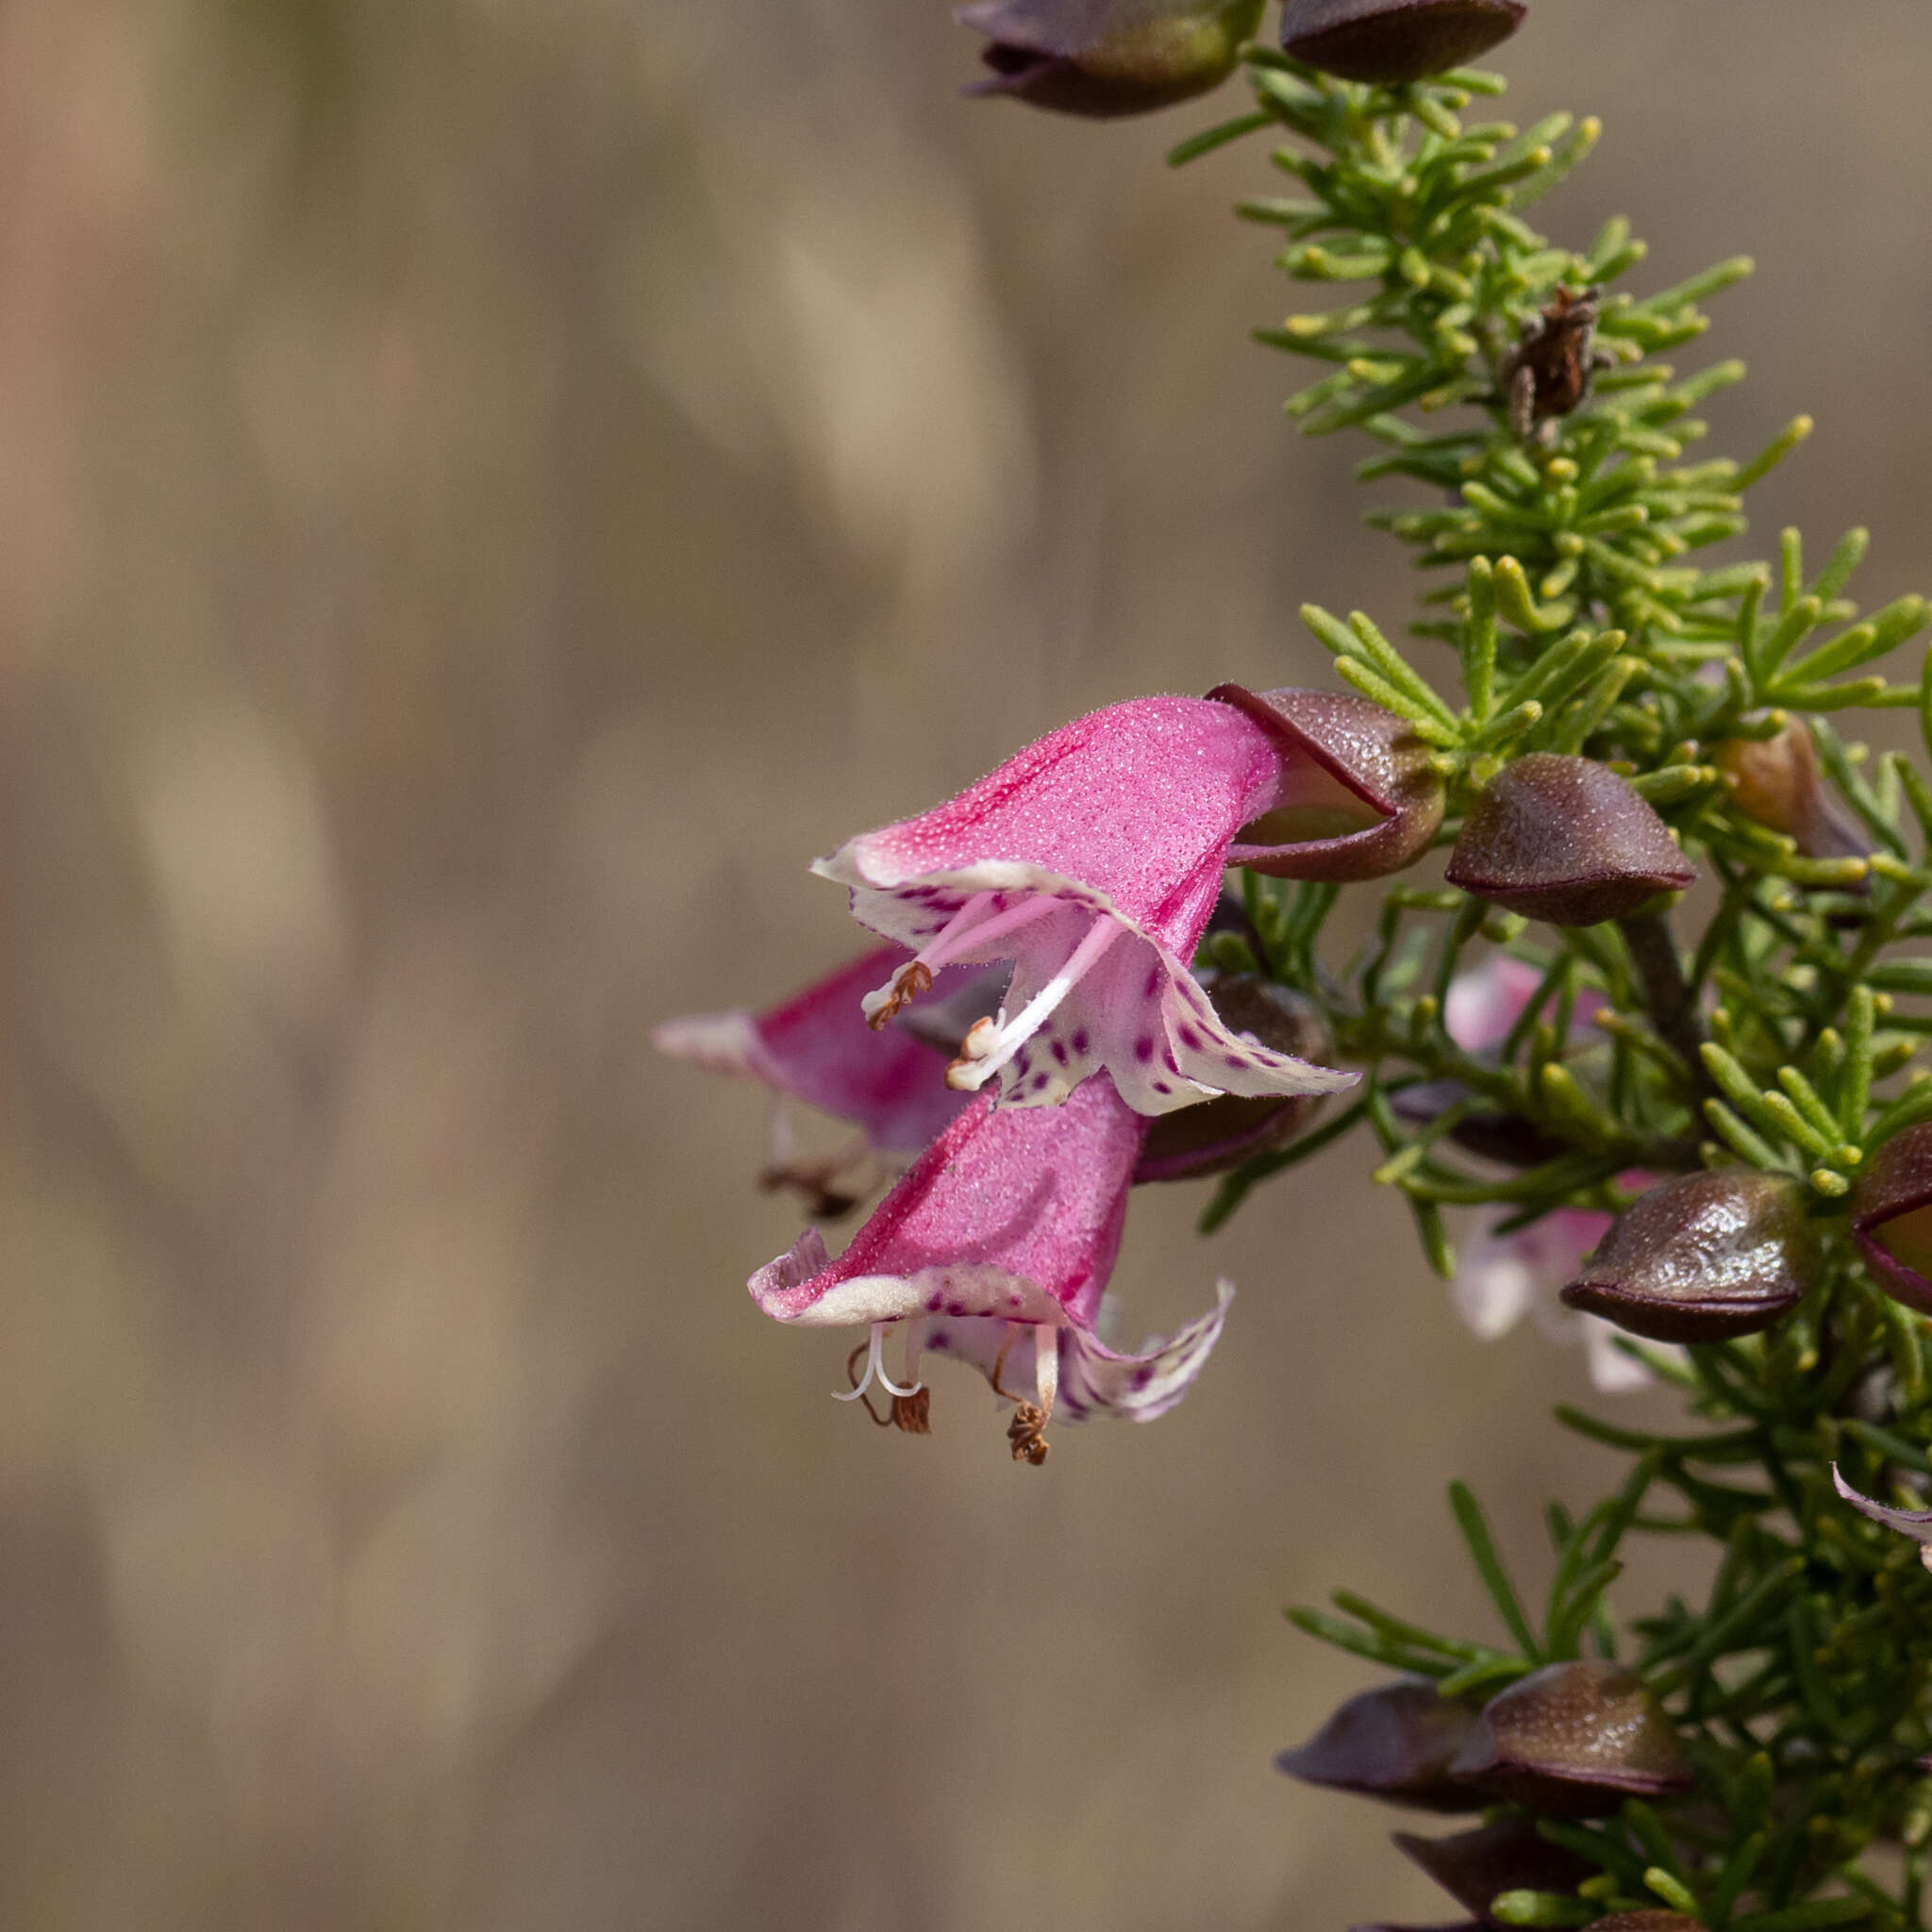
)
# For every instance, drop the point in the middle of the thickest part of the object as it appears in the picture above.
(488, 490)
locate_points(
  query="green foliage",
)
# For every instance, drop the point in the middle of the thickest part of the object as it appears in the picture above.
(1565, 615)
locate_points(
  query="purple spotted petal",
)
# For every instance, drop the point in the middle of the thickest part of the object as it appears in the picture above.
(1094, 1379)
(1092, 861)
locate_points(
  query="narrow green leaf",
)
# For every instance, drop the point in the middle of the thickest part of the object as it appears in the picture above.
(1482, 1548)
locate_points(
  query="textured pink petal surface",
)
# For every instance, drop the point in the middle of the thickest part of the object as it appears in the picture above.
(1139, 801)
(1094, 1379)
(816, 1048)
(1120, 820)
(1010, 1212)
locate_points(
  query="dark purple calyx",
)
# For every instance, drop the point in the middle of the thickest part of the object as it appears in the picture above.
(1396, 1743)
(1219, 1134)
(1702, 1258)
(1891, 1217)
(1575, 1741)
(1475, 1867)
(1358, 799)
(1565, 840)
(1102, 58)
(1388, 42)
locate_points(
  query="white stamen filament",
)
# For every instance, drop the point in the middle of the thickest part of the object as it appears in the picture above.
(955, 941)
(988, 1049)
(966, 929)
(875, 1370)
(1047, 1364)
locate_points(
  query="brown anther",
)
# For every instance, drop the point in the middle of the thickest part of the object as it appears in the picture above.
(978, 1042)
(911, 980)
(910, 1413)
(1026, 1432)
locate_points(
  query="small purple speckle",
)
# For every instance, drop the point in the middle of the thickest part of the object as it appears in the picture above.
(1080, 1041)
(1038, 1081)
(957, 1309)
(1161, 1086)
(1143, 1374)
(1059, 1052)
(1144, 1048)
(1153, 979)
(1191, 1040)
(1234, 1060)
(934, 1303)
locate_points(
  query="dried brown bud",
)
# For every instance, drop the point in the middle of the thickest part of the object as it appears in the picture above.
(1776, 782)
(1891, 1217)
(1575, 1741)
(1108, 58)
(1566, 840)
(1360, 797)
(1474, 1865)
(1219, 1134)
(1701, 1257)
(1394, 40)
(1396, 1743)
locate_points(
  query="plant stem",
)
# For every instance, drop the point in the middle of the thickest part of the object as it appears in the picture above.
(1666, 991)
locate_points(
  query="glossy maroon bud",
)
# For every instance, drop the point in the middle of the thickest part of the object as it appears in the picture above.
(1575, 1741)
(1701, 1257)
(1360, 797)
(1891, 1217)
(1395, 1742)
(1566, 840)
(1475, 1867)
(1108, 58)
(1219, 1134)
(1776, 781)
(1394, 40)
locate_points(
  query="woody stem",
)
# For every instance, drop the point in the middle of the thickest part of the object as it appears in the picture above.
(1673, 1007)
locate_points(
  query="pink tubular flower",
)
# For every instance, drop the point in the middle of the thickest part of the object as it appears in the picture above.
(1092, 861)
(816, 1048)
(998, 1239)
(1501, 1278)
